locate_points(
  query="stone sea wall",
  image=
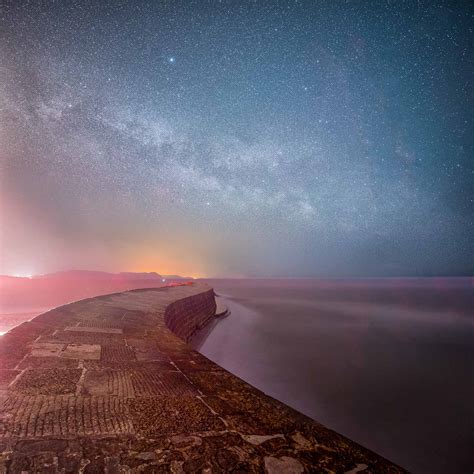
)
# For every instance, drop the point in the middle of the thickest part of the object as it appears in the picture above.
(184, 317)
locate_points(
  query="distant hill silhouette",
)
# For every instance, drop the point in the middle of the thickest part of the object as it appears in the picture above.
(22, 294)
(95, 275)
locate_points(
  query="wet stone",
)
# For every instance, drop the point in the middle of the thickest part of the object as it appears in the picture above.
(172, 415)
(284, 465)
(227, 459)
(183, 441)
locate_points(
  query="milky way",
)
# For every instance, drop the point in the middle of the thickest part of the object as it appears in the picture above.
(237, 138)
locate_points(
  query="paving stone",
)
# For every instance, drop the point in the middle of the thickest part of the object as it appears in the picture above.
(46, 349)
(108, 382)
(172, 415)
(94, 329)
(82, 351)
(31, 362)
(47, 381)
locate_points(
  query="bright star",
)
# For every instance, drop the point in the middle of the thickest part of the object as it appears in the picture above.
(171, 59)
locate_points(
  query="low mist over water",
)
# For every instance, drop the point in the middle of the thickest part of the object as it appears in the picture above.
(387, 363)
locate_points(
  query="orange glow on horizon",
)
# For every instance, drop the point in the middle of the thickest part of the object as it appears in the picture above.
(178, 255)
(169, 270)
(165, 265)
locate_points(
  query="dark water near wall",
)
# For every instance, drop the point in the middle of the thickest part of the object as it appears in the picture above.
(388, 363)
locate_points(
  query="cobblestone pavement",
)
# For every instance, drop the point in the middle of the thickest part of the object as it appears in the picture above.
(103, 385)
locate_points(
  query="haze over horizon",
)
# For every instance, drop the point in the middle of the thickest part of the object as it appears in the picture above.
(236, 138)
(159, 276)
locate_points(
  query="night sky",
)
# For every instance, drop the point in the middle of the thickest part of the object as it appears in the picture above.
(237, 138)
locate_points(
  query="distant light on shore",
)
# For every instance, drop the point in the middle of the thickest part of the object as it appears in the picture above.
(23, 275)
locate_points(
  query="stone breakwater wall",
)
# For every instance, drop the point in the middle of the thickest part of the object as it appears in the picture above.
(109, 384)
(184, 317)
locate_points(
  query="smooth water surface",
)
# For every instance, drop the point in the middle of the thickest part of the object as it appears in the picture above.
(388, 363)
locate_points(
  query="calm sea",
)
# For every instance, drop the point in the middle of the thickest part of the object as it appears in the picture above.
(388, 363)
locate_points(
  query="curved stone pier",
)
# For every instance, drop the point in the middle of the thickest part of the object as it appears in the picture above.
(108, 384)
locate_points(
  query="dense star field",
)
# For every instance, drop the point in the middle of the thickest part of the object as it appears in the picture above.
(236, 138)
